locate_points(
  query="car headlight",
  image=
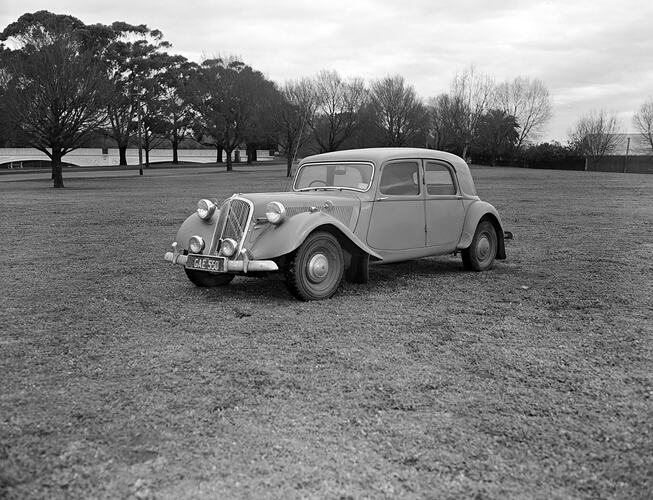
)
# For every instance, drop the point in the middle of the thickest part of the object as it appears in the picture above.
(275, 212)
(205, 209)
(196, 244)
(228, 247)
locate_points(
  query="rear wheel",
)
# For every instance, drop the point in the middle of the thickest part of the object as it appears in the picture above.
(480, 255)
(204, 279)
(314, 271)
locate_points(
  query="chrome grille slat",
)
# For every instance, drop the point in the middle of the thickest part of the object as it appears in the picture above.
(236, 222)
(235, 216)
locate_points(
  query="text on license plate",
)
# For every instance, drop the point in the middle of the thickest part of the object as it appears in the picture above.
(215, 264)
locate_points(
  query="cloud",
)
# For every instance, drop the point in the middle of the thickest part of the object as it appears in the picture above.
(590, 54)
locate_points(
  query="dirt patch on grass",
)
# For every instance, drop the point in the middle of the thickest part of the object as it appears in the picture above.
(121, 379)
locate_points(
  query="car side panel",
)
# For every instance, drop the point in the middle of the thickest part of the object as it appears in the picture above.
(397, 223)
(444, 222)
(276, 241)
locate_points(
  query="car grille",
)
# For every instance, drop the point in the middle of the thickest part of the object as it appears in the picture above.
(235, 216)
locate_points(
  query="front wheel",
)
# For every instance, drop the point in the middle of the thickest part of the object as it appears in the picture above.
(204, 279)
(480, 255)
(315, 269)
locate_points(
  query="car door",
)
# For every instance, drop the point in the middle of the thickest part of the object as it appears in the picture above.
(398, 217)
(445, 212)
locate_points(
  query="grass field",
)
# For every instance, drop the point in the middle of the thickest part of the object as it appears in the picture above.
(120, 379)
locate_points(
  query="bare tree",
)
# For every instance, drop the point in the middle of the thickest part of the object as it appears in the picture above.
(474, 93)
(595, 135)
(529, 102)
(338, 106)
(445, 115)
(643, 122)
(54, 95)
(399, 112)
(132, 57)
(229, 97)
(172, 115)
(296, 113)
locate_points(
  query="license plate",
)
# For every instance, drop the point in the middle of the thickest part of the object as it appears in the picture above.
(204, 263)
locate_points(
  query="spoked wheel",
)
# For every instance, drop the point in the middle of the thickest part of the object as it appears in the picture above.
(204, 279)
(315, 269)
(480, 255)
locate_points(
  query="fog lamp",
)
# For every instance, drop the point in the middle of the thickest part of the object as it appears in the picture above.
(205, 209)
(275, 212)
(228, 247)
(196, 244)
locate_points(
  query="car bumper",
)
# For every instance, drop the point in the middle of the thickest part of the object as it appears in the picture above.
(232, 266)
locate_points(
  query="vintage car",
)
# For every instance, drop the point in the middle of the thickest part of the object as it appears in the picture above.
(346, 210)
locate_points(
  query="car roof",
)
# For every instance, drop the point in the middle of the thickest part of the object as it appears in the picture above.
(381, 155)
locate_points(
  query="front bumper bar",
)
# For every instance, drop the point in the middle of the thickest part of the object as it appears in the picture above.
(233, 266)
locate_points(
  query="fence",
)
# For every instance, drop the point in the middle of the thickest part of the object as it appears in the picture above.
(630, 164)
(633, 164)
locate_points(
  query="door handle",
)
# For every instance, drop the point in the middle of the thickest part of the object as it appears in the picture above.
(382, 198)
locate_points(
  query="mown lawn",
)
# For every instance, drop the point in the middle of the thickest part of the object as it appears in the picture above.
(121, 379)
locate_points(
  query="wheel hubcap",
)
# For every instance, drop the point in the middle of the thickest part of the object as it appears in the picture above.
(483, 248)
(318, 267)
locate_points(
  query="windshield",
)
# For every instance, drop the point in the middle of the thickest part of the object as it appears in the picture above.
(356, 176)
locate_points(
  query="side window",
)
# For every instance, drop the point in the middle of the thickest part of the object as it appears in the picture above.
(401, 178)
(439, 180)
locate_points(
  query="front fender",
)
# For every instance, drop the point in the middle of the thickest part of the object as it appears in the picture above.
(276, 241)
(475, 212)
(194, 226)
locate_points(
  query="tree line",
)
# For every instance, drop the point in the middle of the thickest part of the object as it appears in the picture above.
(64, 84)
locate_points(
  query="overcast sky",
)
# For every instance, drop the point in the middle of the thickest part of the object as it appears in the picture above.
(590, 54)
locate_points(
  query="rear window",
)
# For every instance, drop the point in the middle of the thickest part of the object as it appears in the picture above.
(439, 179)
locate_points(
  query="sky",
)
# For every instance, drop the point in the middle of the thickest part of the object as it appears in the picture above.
(590, 54)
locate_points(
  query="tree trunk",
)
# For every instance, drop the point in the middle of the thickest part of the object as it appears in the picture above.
(229, 164)
(288, 165)
(251, 153)
(220, 150)
(57, 170)
(123, 155)
(175, 154)
(147, 157)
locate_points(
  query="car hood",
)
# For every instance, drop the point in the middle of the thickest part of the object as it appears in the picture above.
(346, 204)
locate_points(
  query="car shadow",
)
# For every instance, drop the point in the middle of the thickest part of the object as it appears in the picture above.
(272, 290)
(428, 266)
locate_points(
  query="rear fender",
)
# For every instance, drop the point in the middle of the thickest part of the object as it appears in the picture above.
(275, 241)
(481, 210)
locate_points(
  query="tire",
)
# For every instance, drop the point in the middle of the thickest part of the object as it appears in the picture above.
(314, 271)
(480, 255)
(204, 279)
